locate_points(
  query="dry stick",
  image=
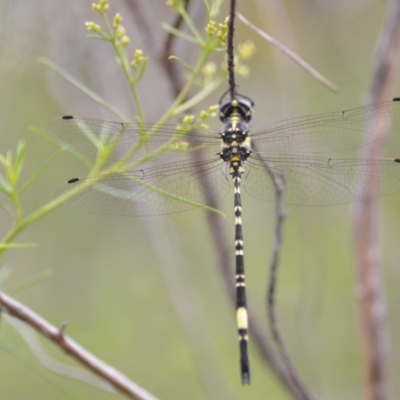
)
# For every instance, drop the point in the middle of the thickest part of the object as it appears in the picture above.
(293, 56)
(171, 68)
(372, 302)
(231, 51)
(119, 381)
(279, 187)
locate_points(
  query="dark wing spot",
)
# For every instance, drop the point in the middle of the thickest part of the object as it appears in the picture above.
(73, 180)
(396, 99)
(67, 117)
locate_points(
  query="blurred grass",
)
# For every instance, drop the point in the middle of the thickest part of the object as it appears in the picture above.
(107, 283)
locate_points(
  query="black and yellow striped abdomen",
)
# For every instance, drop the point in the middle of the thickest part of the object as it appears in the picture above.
(235, 149)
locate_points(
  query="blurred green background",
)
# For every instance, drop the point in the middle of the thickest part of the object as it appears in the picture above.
(146, 295)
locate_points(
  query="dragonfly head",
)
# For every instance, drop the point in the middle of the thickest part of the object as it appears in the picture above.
(239, 107)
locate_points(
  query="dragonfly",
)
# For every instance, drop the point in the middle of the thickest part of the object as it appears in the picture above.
(170, 166)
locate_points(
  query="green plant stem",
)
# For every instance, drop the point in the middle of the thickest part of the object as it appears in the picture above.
(208, 89)
(191, 26)
(121, 54)
(17, 203)
(18, 227)
(185, 90)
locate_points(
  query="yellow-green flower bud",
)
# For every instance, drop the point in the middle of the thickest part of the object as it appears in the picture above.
(211, 28)
(138, 58)
(101, 7)
(92, 27)
(125, 40)
(117, 20)
(181, 146)
(222, 34)
(246, 50)
(204, 114)
(242, 70)
(174, 3)
(213, 108)
(188, 120)
(120, 32)
(210, 69)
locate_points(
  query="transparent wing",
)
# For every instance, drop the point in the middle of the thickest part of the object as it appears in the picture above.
(315, 134)
(158, 190)
(318, 181)
(331, 132)
(297, 148)
(92, 137)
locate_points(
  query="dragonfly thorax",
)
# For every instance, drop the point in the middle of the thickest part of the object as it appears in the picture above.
(235, 144)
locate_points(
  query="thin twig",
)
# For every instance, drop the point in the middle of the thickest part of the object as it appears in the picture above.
(279, 187)
(171, 68)
(161, 52)
(231, 50)
(293, 56)
(119, 381)
(371, 292)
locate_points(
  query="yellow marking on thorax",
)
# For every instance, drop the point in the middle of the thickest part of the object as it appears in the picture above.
(235, 158)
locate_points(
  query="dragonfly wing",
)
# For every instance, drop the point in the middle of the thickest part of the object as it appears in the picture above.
(330, 132)
(96, 137)
(158, 190)
(311, 181)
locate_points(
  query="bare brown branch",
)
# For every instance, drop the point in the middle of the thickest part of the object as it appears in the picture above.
(293, 56)
(279, 187)
(370, 287)
(119, 381)
(171, 68)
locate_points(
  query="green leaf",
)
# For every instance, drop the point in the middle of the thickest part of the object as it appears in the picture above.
(19, 162)
(5, 272)
(32, 281)
(176, 197)
(95, 97)
(215, 8)
(3, 160)
(180, 61)
(170, 29)
(40, 171)
(142, 70)
(33, 366)
(17, 245)
(206, 91)
(5, 187)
